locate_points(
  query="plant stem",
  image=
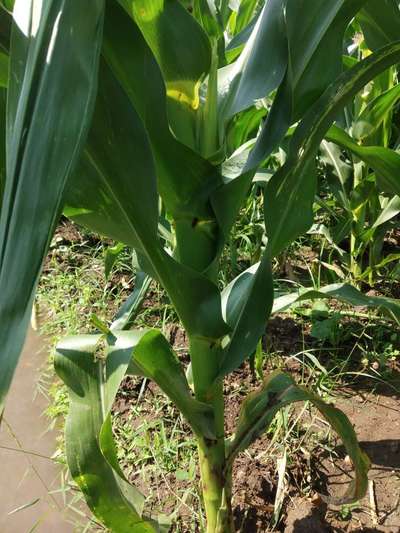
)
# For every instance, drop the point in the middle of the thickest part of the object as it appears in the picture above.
(358, 216)
(215, 485)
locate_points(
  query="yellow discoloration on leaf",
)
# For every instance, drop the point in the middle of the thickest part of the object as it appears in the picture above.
(191, 100)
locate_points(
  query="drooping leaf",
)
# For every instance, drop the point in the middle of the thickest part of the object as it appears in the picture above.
(48, 90)
(92, 367)
(279, 389)
(92, 381)
(344, 293)
(114, 192)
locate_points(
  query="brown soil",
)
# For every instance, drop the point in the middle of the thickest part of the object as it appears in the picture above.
(30, 479)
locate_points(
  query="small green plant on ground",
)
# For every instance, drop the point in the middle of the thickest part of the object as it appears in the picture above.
(141, 133)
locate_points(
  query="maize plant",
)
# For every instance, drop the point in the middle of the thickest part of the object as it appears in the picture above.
(134, 116)
(360, 154)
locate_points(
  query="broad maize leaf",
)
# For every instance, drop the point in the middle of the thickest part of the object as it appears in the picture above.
(289, 194)
(182, 50)
(247, 303)
(261, 65)
(92, 367)
(92, 377)
(114, 192)
(49, 89)
(315, 33)
(185, 179)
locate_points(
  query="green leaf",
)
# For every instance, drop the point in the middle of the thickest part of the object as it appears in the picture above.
(182, 50)
(315, 46)
(247, 303)
(385, 162)
(380, 22)
(247, 10)
(288, 203)
(337, 179)
(130, 308)
(3, 70)
(92, 367)
(8, 4)
(344, 293)
(326, 329)
(48, 90)
(388, 212)
(107, 196)
(284, 219)
(156, 359)
(5, 27)
(206, 13)
(323, 30)
(260, 407)
(111, 256)
(3, 103)
(185, 179)
(116, 175)
(91, 455)
(184, 187)
(261, 65)
(315, 37)
(237, 43)
(375, 113)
